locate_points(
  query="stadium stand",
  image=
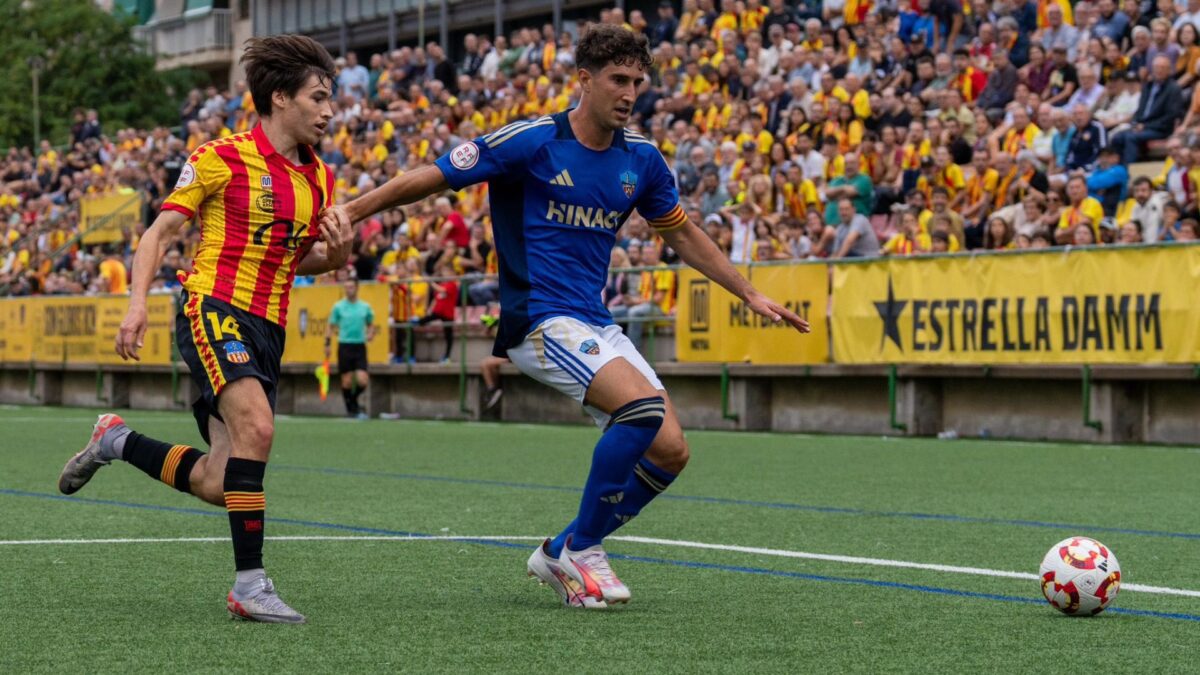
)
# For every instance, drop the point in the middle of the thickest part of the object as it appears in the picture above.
(796, 130)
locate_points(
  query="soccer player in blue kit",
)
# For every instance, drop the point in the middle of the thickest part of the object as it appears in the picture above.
(560, 188)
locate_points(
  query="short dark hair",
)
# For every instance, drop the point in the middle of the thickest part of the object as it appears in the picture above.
(603, 44)
(283, 63)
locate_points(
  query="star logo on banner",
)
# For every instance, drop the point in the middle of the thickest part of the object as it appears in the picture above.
(889, 312)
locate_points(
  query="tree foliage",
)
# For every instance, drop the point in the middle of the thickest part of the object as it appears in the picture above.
(90, 61)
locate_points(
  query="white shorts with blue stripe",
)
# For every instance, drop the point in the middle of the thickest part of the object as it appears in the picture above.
(566, 353)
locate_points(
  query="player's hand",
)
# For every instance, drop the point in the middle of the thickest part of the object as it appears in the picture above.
(332, 218)
(131, 333)
(766, 307)
(338, 234)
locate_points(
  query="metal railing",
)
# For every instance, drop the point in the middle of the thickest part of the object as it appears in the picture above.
(189, 34)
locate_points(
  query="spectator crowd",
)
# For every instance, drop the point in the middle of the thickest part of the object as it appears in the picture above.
(796, 130)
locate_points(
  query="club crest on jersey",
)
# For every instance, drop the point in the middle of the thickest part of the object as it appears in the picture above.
(266, 202)
(629, 183)
(590, 348)
(236, 352)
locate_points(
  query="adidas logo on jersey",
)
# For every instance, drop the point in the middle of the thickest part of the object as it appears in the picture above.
(563, 179)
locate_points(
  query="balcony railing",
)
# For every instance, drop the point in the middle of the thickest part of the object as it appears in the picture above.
(183, 35)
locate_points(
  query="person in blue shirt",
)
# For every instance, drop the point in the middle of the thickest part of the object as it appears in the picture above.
(354, 79)
(918, 24)
(1109, 182)
(1111, 22)
(560, 187)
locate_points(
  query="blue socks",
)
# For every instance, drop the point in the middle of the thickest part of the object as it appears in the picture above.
(647, 482)
(613, 493)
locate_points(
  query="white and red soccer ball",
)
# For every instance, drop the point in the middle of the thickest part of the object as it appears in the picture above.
(1080, 576)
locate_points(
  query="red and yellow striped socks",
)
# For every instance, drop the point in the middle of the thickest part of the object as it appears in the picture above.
(246, 504)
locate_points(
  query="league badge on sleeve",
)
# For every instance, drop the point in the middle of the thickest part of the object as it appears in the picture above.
(464, 156)
(629, 183)
(186, 176)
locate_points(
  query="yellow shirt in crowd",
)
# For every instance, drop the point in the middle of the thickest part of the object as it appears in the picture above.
(1089, 208)
(114, 272)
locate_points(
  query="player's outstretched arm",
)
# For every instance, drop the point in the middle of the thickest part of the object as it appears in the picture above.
(697, 250)
(403, 189)
(146, 261)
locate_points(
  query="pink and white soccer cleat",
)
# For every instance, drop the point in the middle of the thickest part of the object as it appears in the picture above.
(590, 568)
(549, 571)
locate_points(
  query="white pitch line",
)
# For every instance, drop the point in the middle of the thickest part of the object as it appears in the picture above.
(883, 562)
(774, 552)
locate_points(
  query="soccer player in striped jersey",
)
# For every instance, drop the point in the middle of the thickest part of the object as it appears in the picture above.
(561, 187)
(258, 196)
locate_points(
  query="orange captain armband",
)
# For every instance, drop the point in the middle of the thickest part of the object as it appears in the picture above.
(671, 220)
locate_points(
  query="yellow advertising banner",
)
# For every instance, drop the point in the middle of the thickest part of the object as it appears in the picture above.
(308, 315)
(80, 330)
(105, 219)
(156, 347)
(64, 329)
(714, 326)
(15, 342)
(1085, 306)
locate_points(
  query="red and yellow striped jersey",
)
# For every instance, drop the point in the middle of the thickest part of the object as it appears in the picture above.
(258, 219)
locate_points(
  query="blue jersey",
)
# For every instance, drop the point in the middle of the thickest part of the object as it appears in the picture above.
(556, 207)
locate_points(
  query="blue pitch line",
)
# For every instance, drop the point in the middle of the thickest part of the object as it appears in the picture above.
(687, 564)
(911, 515)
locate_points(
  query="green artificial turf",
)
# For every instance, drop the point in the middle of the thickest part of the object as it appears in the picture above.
(454, 606)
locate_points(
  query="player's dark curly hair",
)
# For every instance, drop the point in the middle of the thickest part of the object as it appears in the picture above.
(283, 63)
(603, 44)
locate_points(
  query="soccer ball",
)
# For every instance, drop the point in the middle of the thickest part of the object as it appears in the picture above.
(1080, 576)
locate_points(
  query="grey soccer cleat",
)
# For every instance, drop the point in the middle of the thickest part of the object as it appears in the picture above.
(261, 603)
(80, 468)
